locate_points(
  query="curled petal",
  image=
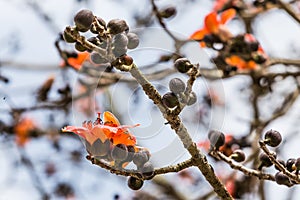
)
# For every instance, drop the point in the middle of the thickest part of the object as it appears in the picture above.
(107, 128)
(82, 132)
(124, 137)
(211, 23)
(128, 126)
(109, 118)
(227, 15)
(199, 34)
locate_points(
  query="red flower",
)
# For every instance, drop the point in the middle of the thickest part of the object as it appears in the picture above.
(110, 129)
(215, 25)
(240, 63)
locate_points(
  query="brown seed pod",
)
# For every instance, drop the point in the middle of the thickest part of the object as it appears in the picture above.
(83, 20)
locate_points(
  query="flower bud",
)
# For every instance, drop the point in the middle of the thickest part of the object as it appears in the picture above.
(80, 47)
(83, 20)
(282, 179)
(170, 100)
(131, 152)
(147, 169)
(116, 26)
(118, 52)
(183, 65)
(120, 41)
(216, 138)
(192, 99)
(94, 40)
(98, 59)
(68, 38)
(140, 158)
(296, 165)
(134, 183)
(168, 12)
(176, 85)
(119, 152)
(289, 164)
(103, 44)
(238, 155)
(126, 60)
(259, 58)
(272, 138)
(264, 161)
(133, 40)
(101, 22)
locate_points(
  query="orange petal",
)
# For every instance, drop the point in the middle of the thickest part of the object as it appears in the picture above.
(124, 137)
(239, 62)
(99, 133)
(202, 44)
(227, 15)
(76, 63)
(82, 132)
(234, 60)
(199, 34)
(211, 23)
(109, 118)
(251, 65)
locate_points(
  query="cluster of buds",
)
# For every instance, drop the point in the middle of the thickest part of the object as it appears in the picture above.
(109, 43)
(218, 142)
(177, 95)
(111, 142)
(273, 138)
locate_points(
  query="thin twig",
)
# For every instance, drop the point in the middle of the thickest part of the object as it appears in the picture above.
(241, 168)
(288, 8)
(136, 173)
(284, 61)
(161, 22)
